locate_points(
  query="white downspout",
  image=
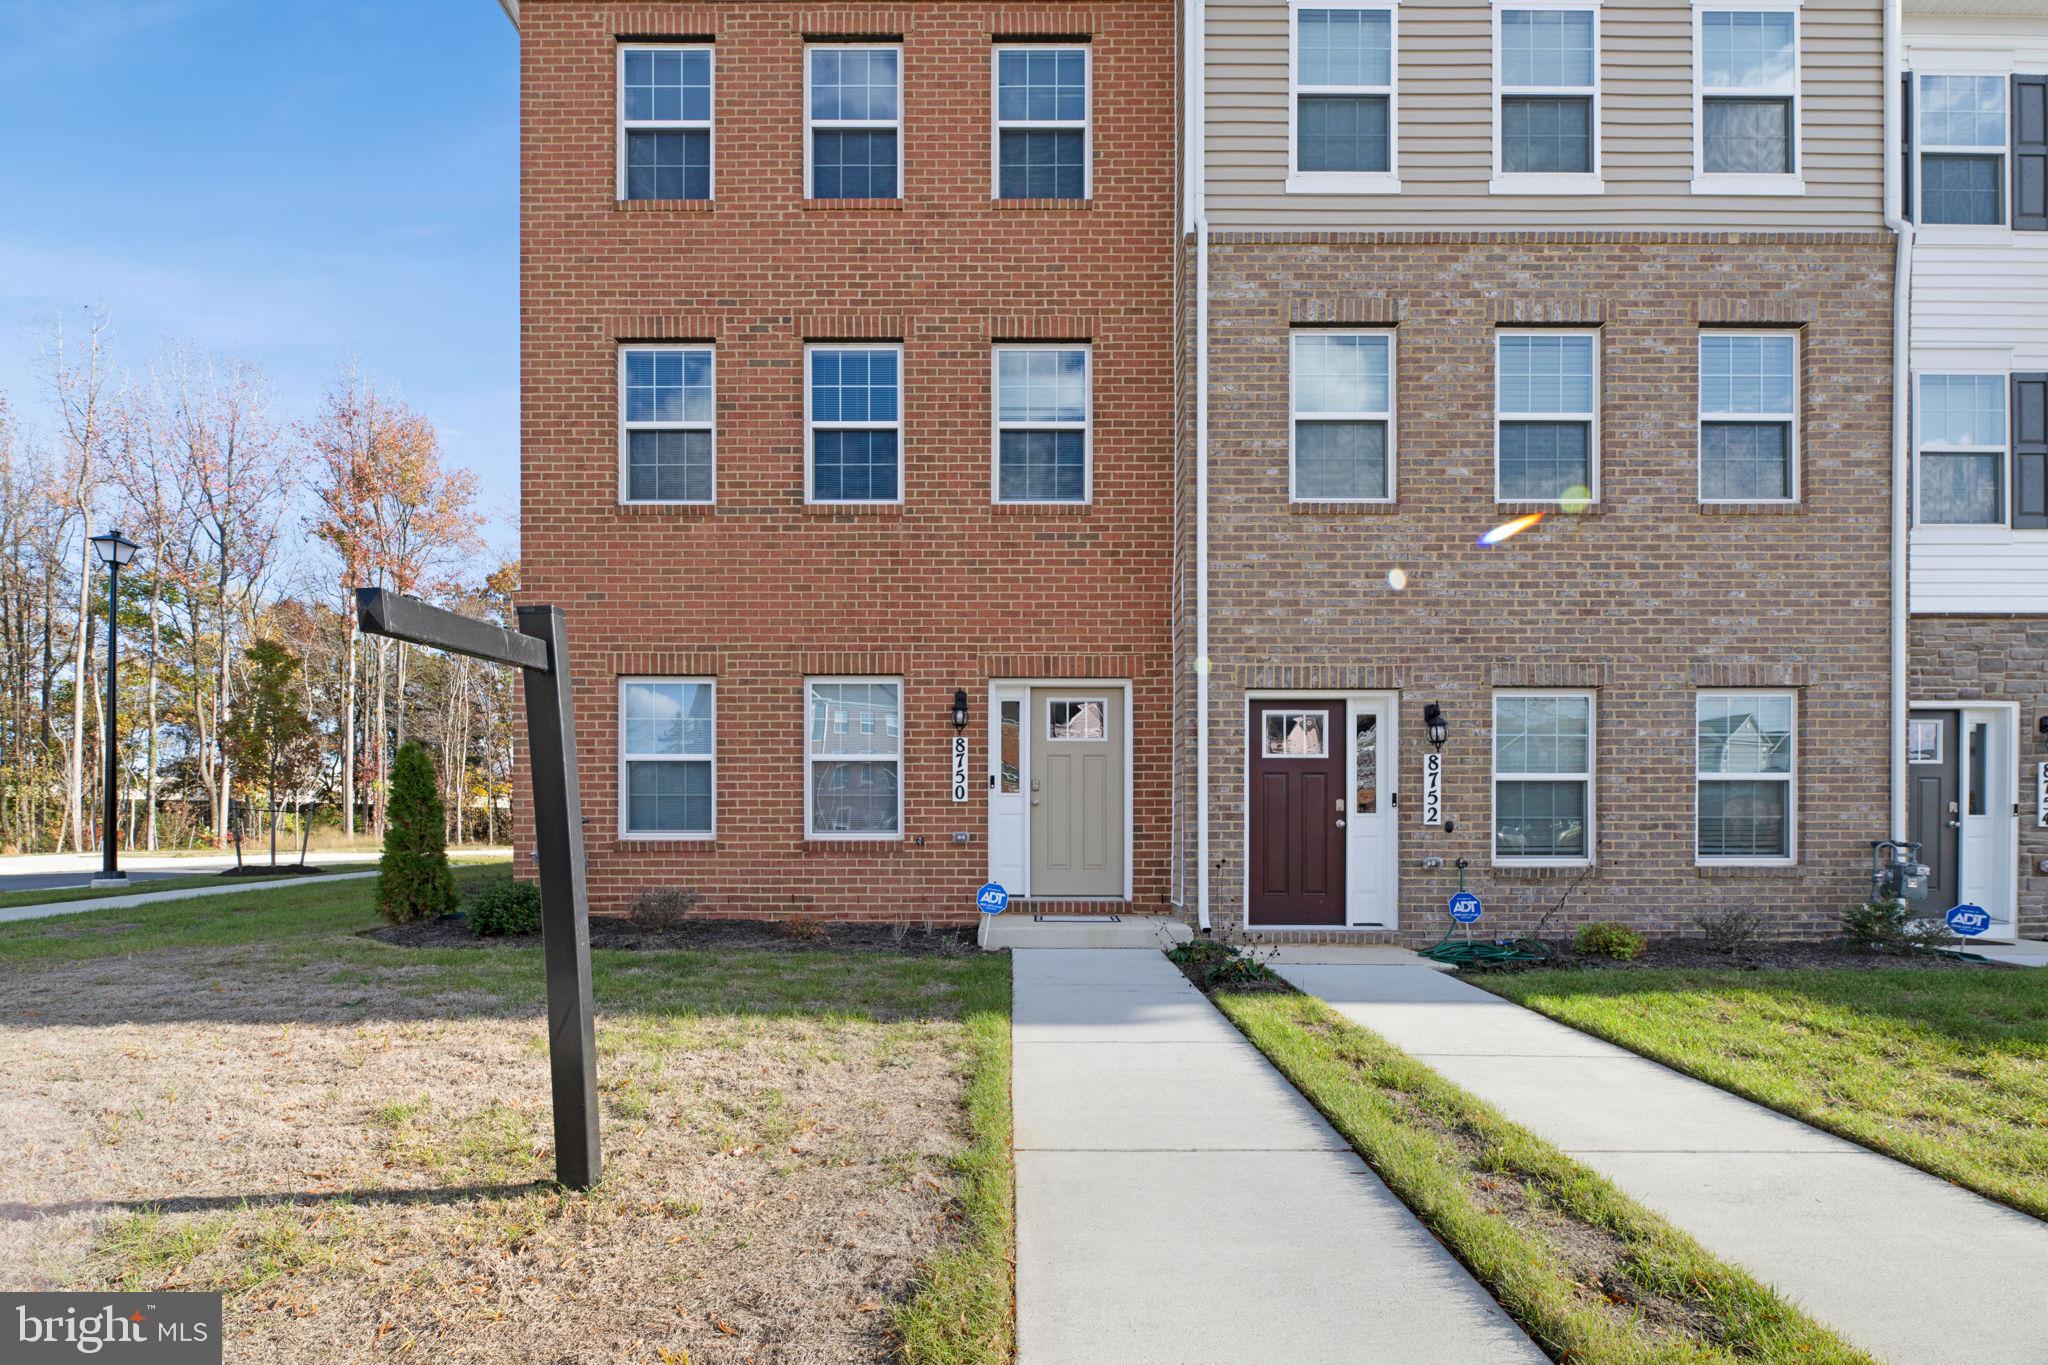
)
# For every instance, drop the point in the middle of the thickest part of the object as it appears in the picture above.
(1895, 171)
(1196, 210)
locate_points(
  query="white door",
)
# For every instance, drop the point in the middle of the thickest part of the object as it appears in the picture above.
(1371, 822)
(1986, 795)
(1009, 758)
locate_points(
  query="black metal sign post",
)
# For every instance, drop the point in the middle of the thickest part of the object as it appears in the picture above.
(539, 649)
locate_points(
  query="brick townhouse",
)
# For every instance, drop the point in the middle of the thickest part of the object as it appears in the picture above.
(1975, 180)
(1621, 263)
(846, 360)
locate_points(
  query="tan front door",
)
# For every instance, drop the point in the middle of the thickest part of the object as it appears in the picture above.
(1077, 792)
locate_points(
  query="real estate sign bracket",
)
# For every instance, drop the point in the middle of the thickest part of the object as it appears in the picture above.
(539, 650)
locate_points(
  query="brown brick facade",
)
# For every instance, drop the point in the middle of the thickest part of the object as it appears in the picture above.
(946, 590)
(1995, 658)
(1644, 598)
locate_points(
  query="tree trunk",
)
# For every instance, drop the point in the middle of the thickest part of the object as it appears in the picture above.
(74, 774)
(156, 592)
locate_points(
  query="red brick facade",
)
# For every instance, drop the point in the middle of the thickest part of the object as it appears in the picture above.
(1643, 599)
(761, 590)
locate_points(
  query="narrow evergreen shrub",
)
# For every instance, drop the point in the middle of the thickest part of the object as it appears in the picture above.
(413, 880)
(499, 907)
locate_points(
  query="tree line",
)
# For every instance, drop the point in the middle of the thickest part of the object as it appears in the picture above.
(246, 690)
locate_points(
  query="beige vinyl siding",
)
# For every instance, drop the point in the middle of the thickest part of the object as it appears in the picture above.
(1444, 129)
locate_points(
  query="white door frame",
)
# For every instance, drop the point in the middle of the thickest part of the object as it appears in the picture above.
(998, 686)
(2001, 806)
(1389, 705)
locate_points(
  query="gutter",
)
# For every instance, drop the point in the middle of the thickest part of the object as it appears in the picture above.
(1902, 371)
(1194, 208)
(511, 8)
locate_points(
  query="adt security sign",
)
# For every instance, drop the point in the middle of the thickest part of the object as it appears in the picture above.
(1464, 907)
(992, 899)
(1968, 920)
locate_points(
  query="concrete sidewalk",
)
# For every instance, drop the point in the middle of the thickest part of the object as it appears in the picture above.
(1178, 1203)
(1906, 1265)
(77, 907)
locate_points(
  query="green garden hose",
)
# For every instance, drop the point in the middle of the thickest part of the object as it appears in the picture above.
(1473, 953)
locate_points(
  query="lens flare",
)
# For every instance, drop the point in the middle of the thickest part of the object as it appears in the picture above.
(1397, 579)
(1509, 529)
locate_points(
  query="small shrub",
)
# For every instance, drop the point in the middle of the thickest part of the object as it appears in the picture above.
(1214, 965)
(1885, 925)
(665, 907)
(413, 880)
(1733, 932)
(1605, 938)
(498, 908)
(804, 929)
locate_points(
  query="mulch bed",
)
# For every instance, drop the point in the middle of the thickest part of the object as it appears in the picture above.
(452, 931)
(266, 870)
(1681, 953)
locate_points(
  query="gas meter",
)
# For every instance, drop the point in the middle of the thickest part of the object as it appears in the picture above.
(1896, 872)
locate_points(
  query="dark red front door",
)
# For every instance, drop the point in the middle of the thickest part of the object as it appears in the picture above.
(1297, 813)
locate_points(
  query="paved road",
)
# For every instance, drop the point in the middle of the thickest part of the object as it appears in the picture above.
(62, 871)
(1906, 1265)
(1178, 1203)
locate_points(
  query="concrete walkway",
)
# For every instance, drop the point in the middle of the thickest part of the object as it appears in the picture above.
(1906, 1265)
(1178, 1203)
(159, 897)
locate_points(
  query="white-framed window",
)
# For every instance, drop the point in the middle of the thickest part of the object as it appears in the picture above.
(1342, 133)
(1546, 416)
(1041, 416)
(1341, 440)
(1296, 734)
(667, 424)
(1745, 99)
(1749, 416)
(1546, 97)
(853, 758)
(1923, 741)
(668, 766)
(665, 103)
(1746, 796)
(1041, 119)
(1962, 425)
(853, 121)
(1543, 777)
(1960, 139)
(853, 421)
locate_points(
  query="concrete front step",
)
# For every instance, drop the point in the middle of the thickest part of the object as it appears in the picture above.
(1012, 930)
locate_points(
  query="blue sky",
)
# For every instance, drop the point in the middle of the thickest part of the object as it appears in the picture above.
(297, 182)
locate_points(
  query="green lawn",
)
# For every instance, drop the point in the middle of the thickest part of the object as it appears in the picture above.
(1588, 1272)
(1946, 1070)
(807, 1153)
(10, 899)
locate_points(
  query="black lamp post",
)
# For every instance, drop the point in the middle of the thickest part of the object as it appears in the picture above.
(114, 551)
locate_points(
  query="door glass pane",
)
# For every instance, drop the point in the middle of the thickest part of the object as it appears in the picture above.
(1980, 779)
(1010, 725)
(1923, 741)
(1297, 734)
(1085, 719)
(1367, 744)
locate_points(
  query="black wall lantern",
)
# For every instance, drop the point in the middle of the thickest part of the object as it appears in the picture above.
(960, 708)
(1433, 722)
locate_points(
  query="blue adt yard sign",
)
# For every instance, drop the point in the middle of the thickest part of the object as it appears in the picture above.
(1465, 907)
(992, 899)
(1968, 920)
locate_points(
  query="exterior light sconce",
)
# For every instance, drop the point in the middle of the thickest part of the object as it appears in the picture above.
(960, 708)
(1434, 724)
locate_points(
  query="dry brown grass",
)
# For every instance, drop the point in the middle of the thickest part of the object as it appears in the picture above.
(351, 1141)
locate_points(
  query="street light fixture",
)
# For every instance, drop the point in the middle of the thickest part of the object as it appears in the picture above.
(115, 551)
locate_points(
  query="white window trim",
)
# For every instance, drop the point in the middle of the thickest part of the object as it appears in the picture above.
(1790, 778)
(1791, 182)
(2000, 230)
(707, 126)
(1793, 447)
(627, 428)
(1966, 530)
(997, 426)
(999, 125)
(1525, 182)
(852, 124)
(1593, 441)
(1344, 182)
(624, 796)
(1590, 777)
(1295, 419)
(811, 427)
(812, 759)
